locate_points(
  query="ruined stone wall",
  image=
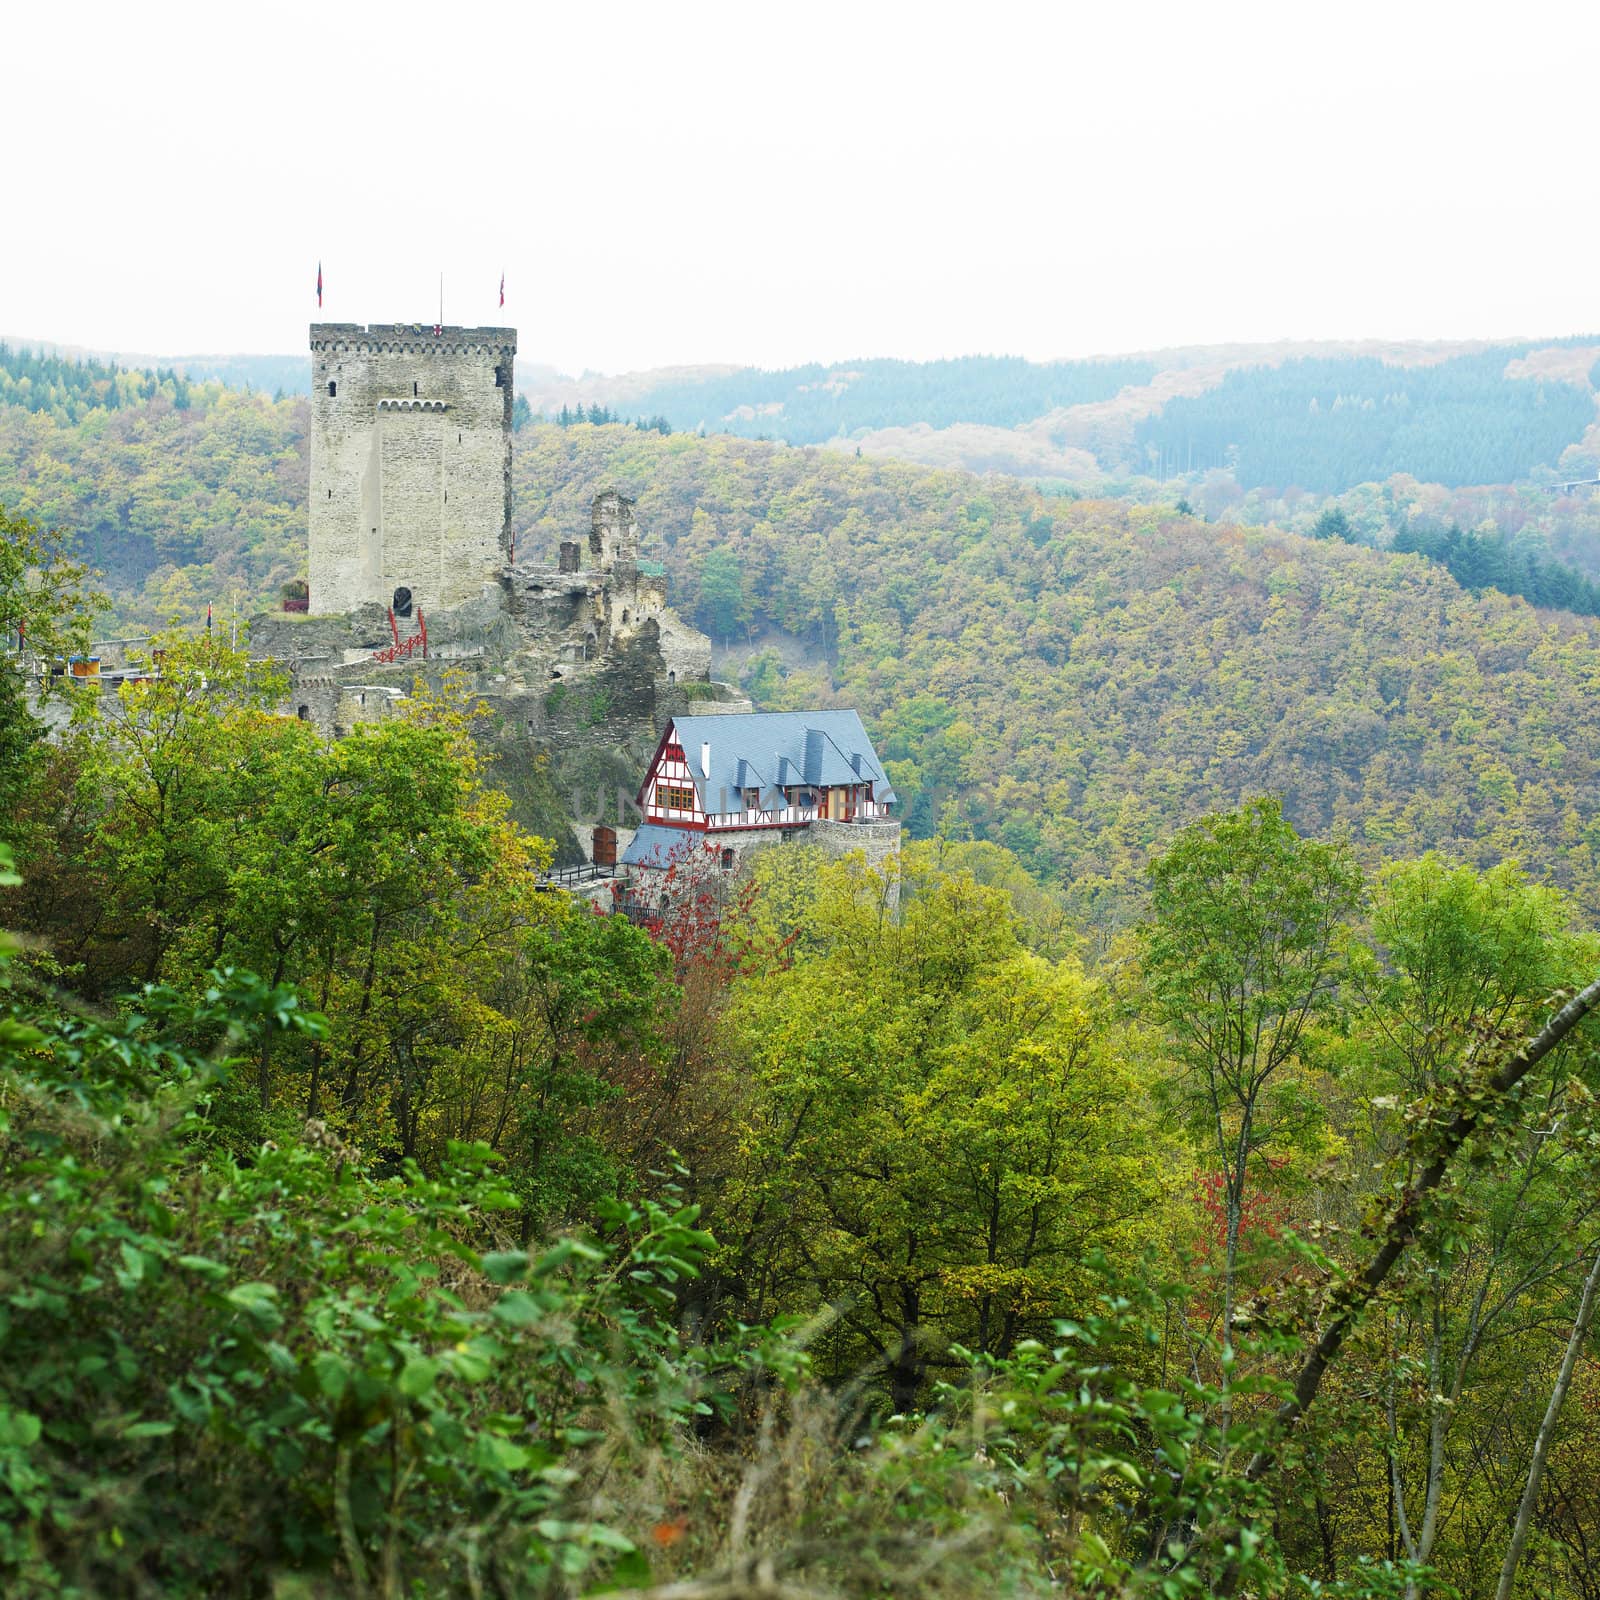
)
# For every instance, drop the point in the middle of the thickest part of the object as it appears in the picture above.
(876, 840)
(314, 697)
(365, 702)
(410, 463)
(613, 530)
(685, 651)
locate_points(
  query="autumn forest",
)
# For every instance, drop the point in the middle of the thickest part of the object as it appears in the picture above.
(1177, 1173)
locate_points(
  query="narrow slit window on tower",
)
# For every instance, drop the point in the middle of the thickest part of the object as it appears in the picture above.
(333, 389)
(413, 386)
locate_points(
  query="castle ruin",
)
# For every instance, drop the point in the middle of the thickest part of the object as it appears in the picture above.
(414, 573)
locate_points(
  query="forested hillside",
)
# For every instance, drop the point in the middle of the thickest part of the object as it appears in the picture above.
(1325, 425)
(1317, 418)
(1314, 419)
(276, 375)
(178, 505)
(375, 1223)
(1068, 678)
(1072, 678)
(415, 1229)
(1516, 537)
(67, 390)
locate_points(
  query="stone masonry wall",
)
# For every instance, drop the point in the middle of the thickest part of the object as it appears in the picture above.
(410, 463)
(876, 840)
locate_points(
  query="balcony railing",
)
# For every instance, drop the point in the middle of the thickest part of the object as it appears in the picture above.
(586, 872)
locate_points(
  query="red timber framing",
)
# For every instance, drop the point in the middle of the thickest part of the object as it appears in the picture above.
(671, 796)
(668, 795)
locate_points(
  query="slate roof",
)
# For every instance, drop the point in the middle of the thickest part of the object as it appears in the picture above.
(774, 749)
(652, 844)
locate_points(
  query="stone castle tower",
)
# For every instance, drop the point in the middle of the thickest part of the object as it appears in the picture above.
(410, 464)
(613, 531)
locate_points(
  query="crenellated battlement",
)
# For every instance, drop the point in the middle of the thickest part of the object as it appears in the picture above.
(410, 338)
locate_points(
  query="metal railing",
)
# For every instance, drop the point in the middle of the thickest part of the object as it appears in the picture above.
(404, 649)
(586, 872)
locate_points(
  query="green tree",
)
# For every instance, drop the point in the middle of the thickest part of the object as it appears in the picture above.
(722, 602)
(1241, 952)
(45, 613)
(176, 762)
(1465, 957)
(217, 1373)
(581, 990)
(1332, 524)
(939, 1128)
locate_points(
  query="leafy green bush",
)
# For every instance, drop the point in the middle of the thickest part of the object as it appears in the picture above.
(214, 1371)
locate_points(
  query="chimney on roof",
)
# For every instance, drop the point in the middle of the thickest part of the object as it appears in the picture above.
(705, 760)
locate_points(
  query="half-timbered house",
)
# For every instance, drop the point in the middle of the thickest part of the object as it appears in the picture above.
(730, 783)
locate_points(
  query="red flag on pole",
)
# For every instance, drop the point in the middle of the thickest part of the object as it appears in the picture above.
(502, 291)
(319, 286)
(208, 620)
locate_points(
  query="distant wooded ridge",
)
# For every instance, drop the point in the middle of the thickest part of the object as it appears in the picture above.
(267, 374)
(1319, 418)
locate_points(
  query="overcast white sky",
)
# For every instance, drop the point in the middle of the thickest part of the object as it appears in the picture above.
(675, 182)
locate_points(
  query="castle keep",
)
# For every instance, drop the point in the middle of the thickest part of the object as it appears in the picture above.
(410, 464)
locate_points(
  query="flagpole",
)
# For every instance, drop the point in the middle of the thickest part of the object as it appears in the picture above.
(441, 299)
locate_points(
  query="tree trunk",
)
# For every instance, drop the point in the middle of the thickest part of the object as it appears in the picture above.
(906, 1368)
(1351, 1298)
(905, 1375)
(1433, 1488)
(1547, 1428)
(1439, 1147)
